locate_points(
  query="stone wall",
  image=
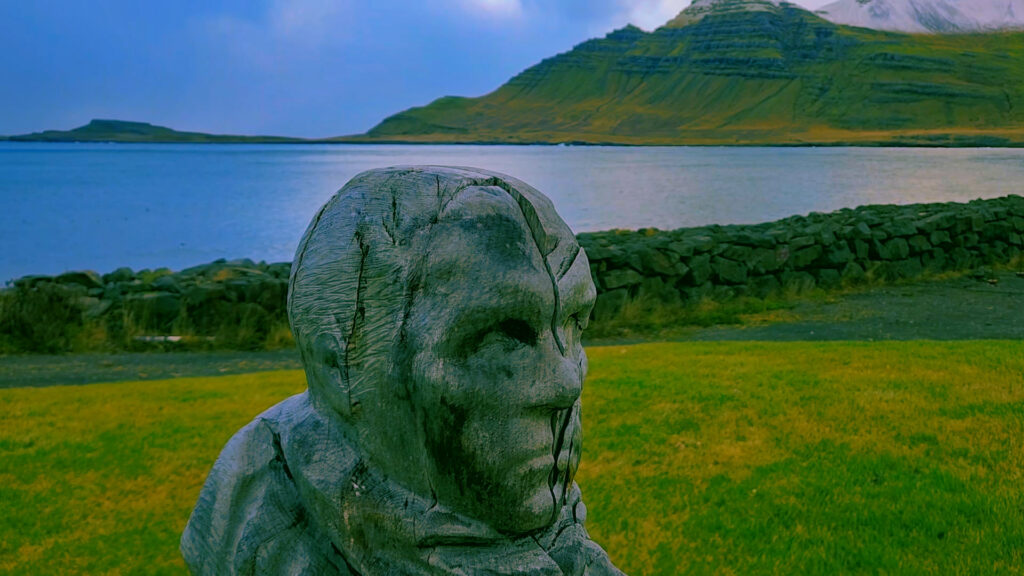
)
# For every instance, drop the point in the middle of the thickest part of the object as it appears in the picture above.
(240, 301)
(800, 253)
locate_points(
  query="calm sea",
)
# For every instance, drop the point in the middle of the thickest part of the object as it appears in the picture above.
(101, 206)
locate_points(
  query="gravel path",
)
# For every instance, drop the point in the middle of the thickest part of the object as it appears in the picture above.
(989, 307)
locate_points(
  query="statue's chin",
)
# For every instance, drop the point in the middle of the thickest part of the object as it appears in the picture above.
(536, 513)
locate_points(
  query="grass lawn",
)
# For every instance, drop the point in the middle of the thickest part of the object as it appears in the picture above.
(711, 458)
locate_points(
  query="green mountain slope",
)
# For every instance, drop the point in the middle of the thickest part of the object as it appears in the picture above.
(774, 74)
(121, 131)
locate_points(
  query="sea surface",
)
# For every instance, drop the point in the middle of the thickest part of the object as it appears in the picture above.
(102, 206)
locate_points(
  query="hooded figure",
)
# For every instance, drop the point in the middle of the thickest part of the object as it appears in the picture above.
(438, 312)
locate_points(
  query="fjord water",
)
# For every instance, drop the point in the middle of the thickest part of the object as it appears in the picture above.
(102, 206)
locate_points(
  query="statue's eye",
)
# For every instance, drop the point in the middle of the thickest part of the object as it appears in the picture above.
(518, 330)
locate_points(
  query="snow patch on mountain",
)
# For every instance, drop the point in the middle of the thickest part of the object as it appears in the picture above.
(927, 16)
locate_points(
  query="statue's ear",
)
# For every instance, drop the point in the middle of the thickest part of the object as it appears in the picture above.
(330, 371)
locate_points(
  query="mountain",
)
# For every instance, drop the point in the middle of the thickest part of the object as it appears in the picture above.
(927, 16)
(137, 132)
(746, 72)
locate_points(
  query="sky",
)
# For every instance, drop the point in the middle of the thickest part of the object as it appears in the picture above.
(310, 68)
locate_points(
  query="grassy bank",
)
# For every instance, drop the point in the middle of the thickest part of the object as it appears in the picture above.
(742, 458)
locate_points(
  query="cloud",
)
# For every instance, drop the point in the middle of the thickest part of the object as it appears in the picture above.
(649, 14)
(284, 29)
(495, 8)
(307, 20)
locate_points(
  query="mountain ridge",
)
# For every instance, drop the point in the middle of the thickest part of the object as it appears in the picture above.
(777, 74)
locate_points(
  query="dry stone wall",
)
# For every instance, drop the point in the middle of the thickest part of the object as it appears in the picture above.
(800, 253)
(677, 267)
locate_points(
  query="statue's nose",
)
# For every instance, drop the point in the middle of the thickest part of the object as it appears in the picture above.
(559, 380)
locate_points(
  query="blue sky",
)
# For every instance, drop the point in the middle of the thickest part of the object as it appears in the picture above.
(286, 67)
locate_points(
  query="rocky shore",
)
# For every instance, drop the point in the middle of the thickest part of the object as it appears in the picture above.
(241, 304)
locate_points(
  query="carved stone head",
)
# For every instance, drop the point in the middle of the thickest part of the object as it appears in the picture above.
(439, 313)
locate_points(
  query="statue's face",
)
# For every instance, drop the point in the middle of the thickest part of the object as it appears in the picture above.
(497, 367)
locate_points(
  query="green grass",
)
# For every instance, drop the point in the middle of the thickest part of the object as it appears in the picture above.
(722, 458)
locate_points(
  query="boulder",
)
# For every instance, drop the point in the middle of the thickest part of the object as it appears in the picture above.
(85, 278)
(123, 274)
(623, 277)
(661, 264)
(700, 270)
(839, 254)
(853, 273)
(902, 227)
(805, 257)
(729, 271)
(29, 282)
(918, 244)
(737, 253)
(799, 242)
(897, 249)
(940, 238)
(657, 290)
(153, 310)
(167, 284)
(861, 249)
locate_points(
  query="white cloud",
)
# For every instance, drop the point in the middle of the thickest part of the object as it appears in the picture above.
(308, 20)
(286, 28)
(649, 14)
(503, 8)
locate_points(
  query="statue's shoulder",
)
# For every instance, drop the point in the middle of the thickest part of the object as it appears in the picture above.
(249, 518)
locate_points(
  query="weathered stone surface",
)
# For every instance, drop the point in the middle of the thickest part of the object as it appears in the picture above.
(939, 238)
(656, 289)
(918, 244)
(897, 249)
(622, 278)
(122, 274)
(85, 278)
(660, 263)
(700, 270)
(853, 272)
(862, 249)
(805, 257)
(737, 253)
(445, 442)
(729, 271)
(839, 254)
(902, 227)
(153, 310)
(801, 242)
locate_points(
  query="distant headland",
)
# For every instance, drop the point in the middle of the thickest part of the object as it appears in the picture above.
(140, 132)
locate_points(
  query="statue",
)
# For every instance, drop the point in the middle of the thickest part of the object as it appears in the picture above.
(438, 312)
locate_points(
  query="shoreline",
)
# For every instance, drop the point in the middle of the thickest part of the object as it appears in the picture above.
(544, 143)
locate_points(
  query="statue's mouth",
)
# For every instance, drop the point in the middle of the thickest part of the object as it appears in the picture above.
(565, 431)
